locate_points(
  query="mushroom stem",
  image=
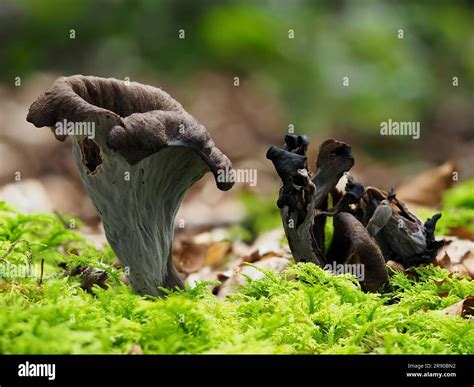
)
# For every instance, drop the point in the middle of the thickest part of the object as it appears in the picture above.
(139, 212)
(299, 232)
(352, 244)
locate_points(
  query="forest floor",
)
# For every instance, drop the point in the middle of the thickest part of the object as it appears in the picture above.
(263, 302)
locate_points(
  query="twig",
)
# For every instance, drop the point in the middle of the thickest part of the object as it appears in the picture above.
(63, 221)
(40, 280)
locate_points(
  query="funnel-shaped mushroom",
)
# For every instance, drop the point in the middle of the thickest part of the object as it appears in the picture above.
(147, 151)
(303, 203)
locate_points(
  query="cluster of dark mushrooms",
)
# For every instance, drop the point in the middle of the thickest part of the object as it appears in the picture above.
(371, 226)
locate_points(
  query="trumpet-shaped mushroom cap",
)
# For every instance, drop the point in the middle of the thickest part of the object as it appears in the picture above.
(137, 120)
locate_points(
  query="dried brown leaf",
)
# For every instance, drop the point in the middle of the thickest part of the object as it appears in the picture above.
(457, 249)
(217, 252)
(463, 308)
(190, 258)
(135, 350)
(427, 187)
(443, 261)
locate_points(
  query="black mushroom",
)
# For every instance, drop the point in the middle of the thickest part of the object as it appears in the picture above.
(146, 152)
(371, 226)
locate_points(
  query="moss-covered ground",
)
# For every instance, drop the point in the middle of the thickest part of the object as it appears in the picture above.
(303, 310)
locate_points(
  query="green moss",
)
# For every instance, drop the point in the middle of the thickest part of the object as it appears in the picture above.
(262, 214)
(303, 310)
(460, 196)
(450, 219)
(457, 209)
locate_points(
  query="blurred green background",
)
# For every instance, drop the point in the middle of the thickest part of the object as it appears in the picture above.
(407, 78)
(285, 80)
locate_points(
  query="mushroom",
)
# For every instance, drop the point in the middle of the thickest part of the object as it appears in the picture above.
(146, 153)
(380, 217)
(352, 244)
(296, 203)
(403, 237)
(303, 207)
(370, 226)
